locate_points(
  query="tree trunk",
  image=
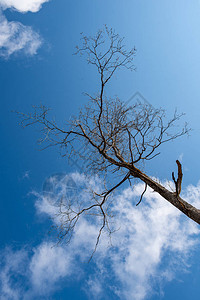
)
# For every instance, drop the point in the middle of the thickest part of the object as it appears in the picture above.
(189, 210)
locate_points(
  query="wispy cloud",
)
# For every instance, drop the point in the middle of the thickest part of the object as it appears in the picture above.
(26, 175)
(147, 235)
(152, 245)
(23, 5)
(48, 265)
(26, 276)
(14, 36)
(13, 269)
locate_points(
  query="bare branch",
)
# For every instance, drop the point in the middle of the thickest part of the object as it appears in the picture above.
(142, 194)
(110, 138)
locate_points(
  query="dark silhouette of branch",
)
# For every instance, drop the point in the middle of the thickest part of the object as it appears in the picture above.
(145, 188)
(178, 182)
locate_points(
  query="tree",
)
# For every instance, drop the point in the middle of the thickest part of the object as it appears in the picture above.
(118, 138)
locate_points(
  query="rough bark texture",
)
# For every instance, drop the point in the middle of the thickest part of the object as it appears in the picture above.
(186, 208)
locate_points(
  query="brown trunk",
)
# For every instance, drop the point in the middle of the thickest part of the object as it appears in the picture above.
(189, 210)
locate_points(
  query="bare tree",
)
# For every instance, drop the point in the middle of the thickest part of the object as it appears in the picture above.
(117, 139)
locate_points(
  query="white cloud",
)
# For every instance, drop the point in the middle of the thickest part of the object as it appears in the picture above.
(23, 5)
(23, 276)
(48, 265)
(147, 235)
(15, 37)
(94, 288)
(151, 247)
(13, 267)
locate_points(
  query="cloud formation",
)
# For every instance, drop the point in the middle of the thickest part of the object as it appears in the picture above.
(147, 235)
(152, 244)
(14, 36)
(23, 276)
(48, 265)
(12, 270)
(23, 5)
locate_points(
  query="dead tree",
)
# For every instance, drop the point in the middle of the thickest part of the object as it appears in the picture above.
(116, 139)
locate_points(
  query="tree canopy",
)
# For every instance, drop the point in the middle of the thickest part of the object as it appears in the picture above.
(116, 139)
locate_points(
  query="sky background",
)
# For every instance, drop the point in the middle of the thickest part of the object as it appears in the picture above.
(156, 250)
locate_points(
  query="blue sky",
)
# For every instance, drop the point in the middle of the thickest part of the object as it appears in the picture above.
(155, 254)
